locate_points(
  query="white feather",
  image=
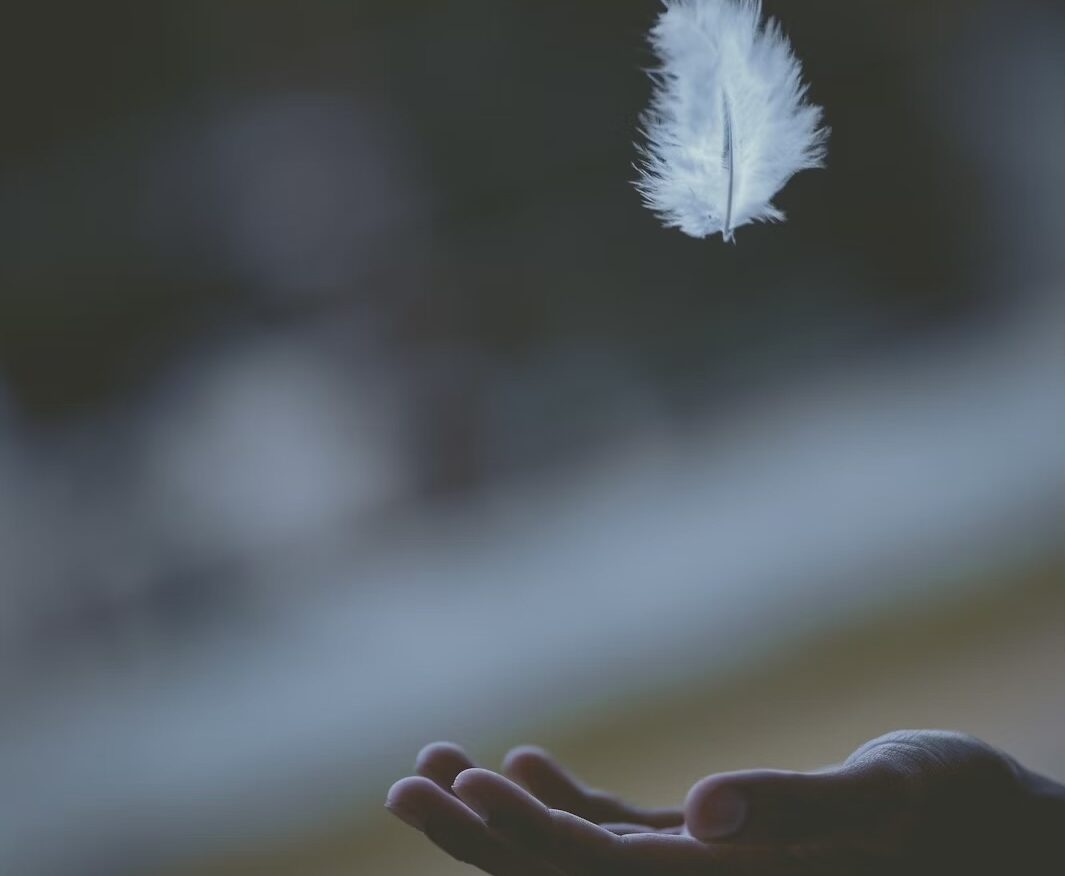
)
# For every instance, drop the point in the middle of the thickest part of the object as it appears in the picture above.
(728, 123)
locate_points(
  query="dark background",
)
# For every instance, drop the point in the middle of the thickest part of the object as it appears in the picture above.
(279, 281)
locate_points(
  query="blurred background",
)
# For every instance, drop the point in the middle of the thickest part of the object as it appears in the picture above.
(349, 399)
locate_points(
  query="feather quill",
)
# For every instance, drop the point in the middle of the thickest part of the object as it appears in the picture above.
(729, 122)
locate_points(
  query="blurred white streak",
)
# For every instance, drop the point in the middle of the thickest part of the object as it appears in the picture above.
(836, 499)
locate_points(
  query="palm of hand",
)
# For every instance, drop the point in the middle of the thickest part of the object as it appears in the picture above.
(917, 803)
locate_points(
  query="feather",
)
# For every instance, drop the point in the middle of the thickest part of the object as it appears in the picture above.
(729, 123)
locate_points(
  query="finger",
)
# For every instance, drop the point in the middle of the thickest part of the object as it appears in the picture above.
(569, 843)
(623, 828)
(773, 805)
(457, 830)
(536, 770)
(441, 762)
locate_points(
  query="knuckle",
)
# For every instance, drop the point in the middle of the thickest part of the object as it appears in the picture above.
(937, 760)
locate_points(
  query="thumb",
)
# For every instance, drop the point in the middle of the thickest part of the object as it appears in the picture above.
(760, 805)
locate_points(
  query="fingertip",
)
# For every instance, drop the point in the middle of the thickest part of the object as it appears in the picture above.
(441, 762)
(439, 750)
(407, 799)
(715, 808)
(474, 776)
(409, 787)
(518, 760)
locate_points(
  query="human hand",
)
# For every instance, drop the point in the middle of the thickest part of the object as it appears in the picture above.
(917, 802)
(430, 803)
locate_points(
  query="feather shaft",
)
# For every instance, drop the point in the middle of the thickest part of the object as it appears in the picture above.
(730, 168)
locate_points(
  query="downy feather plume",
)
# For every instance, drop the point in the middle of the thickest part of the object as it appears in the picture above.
(728, 123)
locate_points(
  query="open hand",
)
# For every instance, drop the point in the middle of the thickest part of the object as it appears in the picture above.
(915, 802)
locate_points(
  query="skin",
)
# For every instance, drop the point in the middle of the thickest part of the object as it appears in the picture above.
(914, 802)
